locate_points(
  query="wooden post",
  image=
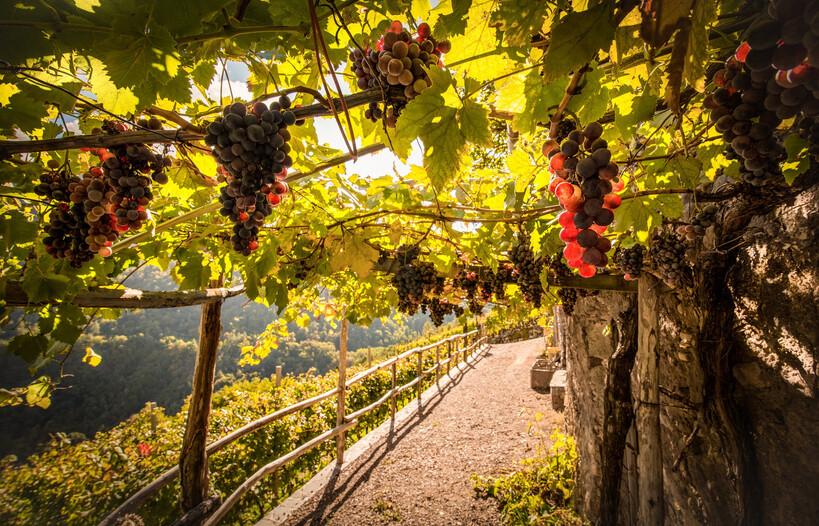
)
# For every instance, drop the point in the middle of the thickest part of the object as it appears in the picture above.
(420, 372)
(437, 364)
(342, 388)
(392, 398)
(369, 357)
(193, 459)
(151, 407)
(647, 412)
(448, 355)
(278, 376)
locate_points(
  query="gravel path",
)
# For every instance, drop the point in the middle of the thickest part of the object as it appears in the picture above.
(420, 475)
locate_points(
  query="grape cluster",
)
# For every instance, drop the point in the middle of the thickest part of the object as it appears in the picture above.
(772, 77)
(702, 220)
(498, 280)
(54, 182)
(125, 167)
(585, 181)
(91, 212)
(470, 284)
(413, 280)
(399, 60)
(564, 128)
(630, 261)
(526, 269)
(253, 153)
(81, 226)
(668, 255)
(439, 308)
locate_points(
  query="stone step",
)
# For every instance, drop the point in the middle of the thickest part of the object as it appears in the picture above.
(557, 387)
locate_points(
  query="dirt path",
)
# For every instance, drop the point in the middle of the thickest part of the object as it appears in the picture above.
(420, 474)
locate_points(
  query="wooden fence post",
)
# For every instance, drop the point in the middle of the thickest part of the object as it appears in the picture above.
(392, 398)
(420, 373)
(278, 376)
(647, 413)
(342, 388)
(193, 459)
(369, 357)
(437, 364)
(448, 355)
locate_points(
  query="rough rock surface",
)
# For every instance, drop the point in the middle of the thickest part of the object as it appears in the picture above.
(774, 289)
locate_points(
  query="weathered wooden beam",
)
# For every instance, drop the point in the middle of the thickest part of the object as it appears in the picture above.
(193, 459)
(125, 298)
(598, 282)
(104, 140)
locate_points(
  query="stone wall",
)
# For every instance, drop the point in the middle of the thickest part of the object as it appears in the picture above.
(763, 469)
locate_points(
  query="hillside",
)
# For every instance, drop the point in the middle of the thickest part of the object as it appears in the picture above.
(148, 356)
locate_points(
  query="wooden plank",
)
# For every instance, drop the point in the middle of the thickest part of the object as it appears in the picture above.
(126, 298)
(342, 390)
(598, 282)
(647, 412)
(193, 459)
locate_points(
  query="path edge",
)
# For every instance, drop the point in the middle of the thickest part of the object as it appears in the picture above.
(281, 513)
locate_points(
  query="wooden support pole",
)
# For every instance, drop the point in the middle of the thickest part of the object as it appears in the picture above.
(278, 376)
(647, 412)
(193, 459)
(369, 357)
(342, 388)
(392, 398)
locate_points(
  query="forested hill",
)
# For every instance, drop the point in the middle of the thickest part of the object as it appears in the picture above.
(149, 356)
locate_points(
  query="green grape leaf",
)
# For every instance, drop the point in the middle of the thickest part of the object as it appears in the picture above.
(593, 100)
(576, 38)
(453, 23)
(540, 101)
(39, 392)
(142, 62)
(519, 20)
(28, 347)
(696, 59)
(39, 287)
(444, 144)
(798, 161)
(631, 109)
(474, 120)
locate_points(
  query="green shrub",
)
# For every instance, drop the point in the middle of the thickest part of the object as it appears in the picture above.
(540, 490)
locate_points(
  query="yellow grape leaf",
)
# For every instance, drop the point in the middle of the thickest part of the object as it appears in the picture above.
(91, 358)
